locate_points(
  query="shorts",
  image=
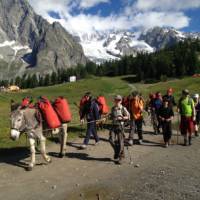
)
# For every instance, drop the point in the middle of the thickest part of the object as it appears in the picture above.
(187, 125)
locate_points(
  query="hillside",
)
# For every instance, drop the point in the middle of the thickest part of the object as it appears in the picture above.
(29, 44)
(73, 91)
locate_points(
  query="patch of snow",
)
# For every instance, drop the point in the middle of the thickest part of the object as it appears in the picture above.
(1, 56)
(180, 34)
(141, 46)
(7, 43)
(20, 47)
(111, 47)
(16, 47)
(95, 50)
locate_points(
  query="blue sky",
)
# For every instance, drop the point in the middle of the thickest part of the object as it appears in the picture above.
(88, 16)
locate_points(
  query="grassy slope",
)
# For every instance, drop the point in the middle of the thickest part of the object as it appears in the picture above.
(73, 91)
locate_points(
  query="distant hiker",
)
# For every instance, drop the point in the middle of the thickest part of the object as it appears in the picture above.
(27, 102)
(166, 115)
(90, 110)
(118, 115)
(150, 103)
(197, 109)
(151, 111)
(187, 111)
(169, 97)
(126, 102)
(82, 103)
(137, 107)
(157, 104)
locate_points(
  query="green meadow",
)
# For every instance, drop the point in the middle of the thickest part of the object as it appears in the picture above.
(73, 91)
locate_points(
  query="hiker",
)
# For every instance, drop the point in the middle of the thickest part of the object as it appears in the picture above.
(197, 109)
(126, 101)
(187, 111)
(137, 106)
(169, 97)
(151, 111)
(166, 115)
(118, 115)
(157, 103)
(27, 102)
(150, 103)
(91, 112)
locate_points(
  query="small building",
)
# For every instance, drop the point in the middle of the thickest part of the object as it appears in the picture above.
(13, 88)
(72, 79)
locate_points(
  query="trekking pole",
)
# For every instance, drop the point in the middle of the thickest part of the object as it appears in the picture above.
(130, 157)
(178, 129)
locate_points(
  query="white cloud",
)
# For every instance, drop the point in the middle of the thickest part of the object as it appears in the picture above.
(91, 3)
(166, 4)
(140, 14)
(171, 19)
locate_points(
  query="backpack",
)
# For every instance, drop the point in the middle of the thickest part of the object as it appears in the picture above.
(103, 107)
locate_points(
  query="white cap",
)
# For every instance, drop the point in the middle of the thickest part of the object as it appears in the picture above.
(196, 96)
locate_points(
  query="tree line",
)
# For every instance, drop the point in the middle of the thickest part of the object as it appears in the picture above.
(182, 59)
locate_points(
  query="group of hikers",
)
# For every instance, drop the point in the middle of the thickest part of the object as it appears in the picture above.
(126, 112)
(130, 111)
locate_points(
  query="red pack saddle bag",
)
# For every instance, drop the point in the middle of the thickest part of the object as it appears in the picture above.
(49, 114)
(62, 109)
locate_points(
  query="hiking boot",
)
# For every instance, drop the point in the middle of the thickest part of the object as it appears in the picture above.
(120, 161)
(185, 142)
(190, 140)
(61, 155)
(140, 141)
(84, 146)
(130, 142)
(196, 134)
(97, 143)
(116, 156)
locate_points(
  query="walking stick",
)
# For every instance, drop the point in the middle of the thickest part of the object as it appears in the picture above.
(178, 129)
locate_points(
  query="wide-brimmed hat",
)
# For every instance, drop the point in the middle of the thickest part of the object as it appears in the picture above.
(185, 91)
(118, 97)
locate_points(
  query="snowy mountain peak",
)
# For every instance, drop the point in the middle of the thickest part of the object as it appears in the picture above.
(100, 47)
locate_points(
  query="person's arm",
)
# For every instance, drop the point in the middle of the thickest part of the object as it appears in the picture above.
(96, 111)
(126, 114)
(141, 105)
(83, 112)
(193, 111)
(171, 116)
(160, 115)
(173, 101)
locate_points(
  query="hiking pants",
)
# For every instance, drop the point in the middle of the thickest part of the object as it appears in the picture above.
(159, 123)
(136, 125)
(167, 131)
(117, 140)
(91, 130)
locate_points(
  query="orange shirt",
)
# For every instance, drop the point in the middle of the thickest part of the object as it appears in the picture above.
(137, 107)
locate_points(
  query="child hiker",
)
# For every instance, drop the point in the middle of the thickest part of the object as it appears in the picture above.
(166, 115)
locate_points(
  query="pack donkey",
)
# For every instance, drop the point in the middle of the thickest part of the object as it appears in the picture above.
(26, 121)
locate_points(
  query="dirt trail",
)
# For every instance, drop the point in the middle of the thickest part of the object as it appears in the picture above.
(156, 173)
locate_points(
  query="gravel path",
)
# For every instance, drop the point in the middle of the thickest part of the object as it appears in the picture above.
(154, 173)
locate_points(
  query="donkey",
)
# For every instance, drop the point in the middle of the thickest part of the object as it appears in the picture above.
(25, 121)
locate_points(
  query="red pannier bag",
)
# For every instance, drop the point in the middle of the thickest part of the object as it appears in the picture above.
(49, 113)
(61, 107)
(103, 107)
